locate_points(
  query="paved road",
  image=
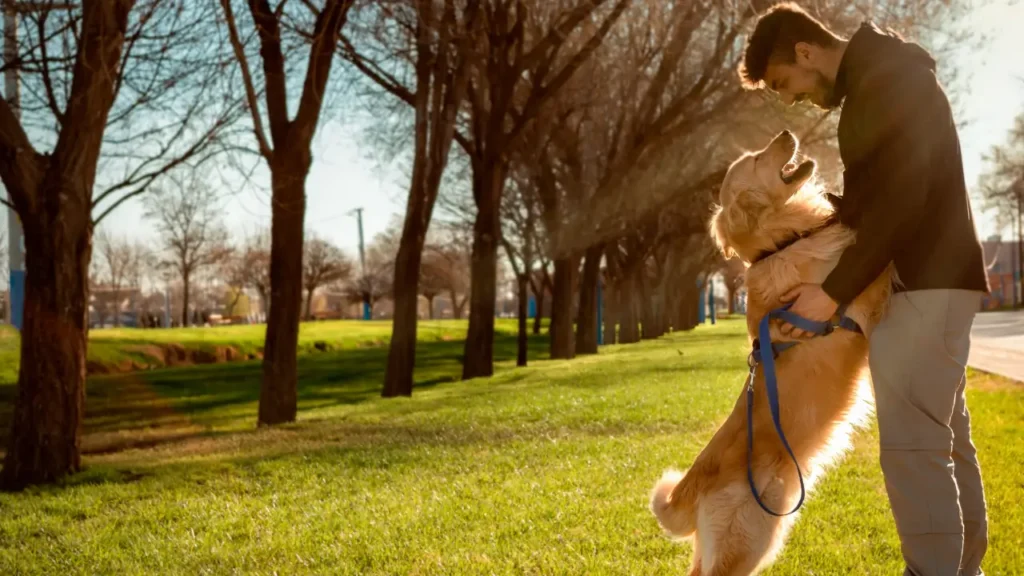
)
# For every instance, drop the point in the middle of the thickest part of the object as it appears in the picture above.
(997, 344)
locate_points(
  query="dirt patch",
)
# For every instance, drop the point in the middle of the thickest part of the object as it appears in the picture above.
(129, 414)
(168, 355)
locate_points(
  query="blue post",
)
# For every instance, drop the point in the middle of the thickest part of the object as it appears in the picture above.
(700, 304)
(600, 306)
(711, 300)
(531, 307)
(17, 296)
(366, 311)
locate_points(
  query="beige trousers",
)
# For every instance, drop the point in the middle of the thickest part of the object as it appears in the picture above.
(918, 367)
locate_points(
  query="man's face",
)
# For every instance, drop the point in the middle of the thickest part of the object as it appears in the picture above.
(801, 80)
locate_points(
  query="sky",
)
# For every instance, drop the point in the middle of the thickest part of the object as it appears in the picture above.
(344, 177)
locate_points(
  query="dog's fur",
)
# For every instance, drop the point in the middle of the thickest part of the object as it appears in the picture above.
(823, 382)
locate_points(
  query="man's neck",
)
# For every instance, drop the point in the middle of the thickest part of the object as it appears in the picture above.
(833, 59)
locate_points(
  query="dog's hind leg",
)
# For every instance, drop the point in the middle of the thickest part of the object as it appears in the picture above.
(744, 537)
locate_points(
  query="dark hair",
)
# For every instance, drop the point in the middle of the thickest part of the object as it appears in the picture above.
(775, 38)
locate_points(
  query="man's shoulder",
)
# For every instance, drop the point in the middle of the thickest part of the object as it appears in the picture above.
(893, 94)
(899, 78)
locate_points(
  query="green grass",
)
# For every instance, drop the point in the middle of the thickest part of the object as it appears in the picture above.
(542, 470)
(112, 347)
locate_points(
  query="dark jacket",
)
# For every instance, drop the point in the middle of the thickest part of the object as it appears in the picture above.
(904, 190)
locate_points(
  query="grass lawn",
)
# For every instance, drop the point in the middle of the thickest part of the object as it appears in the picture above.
(114, 346)
(542, 470)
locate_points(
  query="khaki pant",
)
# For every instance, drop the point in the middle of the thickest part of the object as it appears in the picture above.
(918, 367)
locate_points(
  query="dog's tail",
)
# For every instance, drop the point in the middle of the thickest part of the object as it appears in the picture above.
(674, 503)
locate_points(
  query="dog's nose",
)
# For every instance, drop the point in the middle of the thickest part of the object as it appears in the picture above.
(787, 133)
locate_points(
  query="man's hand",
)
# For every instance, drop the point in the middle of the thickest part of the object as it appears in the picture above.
(812, 303)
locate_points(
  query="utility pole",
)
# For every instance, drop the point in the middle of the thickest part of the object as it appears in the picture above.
(362, 257)
(15, 236)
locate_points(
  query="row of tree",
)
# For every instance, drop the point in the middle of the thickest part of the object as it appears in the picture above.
(579, 132)
(194, 244)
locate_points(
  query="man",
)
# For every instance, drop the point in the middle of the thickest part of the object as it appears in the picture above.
(904, 194)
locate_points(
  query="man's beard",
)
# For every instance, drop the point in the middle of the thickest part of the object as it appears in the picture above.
(827, 90)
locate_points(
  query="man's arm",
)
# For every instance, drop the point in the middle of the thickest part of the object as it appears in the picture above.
(905, 118)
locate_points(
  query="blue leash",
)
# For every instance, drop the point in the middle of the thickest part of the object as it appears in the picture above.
(757, 356)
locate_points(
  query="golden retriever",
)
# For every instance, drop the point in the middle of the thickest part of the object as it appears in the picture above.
(779, 223)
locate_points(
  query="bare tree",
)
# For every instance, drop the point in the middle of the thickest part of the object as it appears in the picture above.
(373, 282)
(287, 153)
(120, 267)
(520, 209)
(441, 41)
(450, 251)
(522, 53)
(132, 87)
(323, 264)
(433, 278)
(1002, 184)
(188, 218)
(518, 74)
(249, 266)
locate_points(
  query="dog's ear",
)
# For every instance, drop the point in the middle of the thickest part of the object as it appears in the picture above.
(731, 224)
(718, 227)
(728, 223)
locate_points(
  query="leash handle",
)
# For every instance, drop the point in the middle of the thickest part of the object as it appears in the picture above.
(772, 391)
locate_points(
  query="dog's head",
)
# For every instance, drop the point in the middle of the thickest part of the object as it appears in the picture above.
(754, 195)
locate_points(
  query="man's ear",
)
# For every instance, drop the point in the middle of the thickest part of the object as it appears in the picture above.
(803, 52)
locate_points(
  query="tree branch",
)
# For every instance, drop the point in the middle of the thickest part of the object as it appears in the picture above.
(325, 38)
(540, 97)
(250, 91)
(47, 83)
(556, 35)
(19, 166)
(273, 68)
(375, 73)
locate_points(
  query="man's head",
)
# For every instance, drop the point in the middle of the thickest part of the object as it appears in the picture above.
(793, 55)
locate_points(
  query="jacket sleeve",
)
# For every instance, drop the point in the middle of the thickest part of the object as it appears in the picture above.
(900, 120)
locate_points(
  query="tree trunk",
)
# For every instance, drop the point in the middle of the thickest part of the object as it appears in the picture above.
(117, 309)
(430, 305)
(47, 420)
(478, 358)
(561, 310)
(456, 305)
(732, 300)
(434, 131)
(628, 329)
(693, 303)
(586, 323)
(648, 308)
(185, 282)
(610, 312)
(264, 300)
(402, 353)
(309, 304)
(279, 388)
(521, 342)
(539, 311)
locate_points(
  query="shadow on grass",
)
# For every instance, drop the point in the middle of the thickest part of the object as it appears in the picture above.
(187, 402)
(149, 408)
